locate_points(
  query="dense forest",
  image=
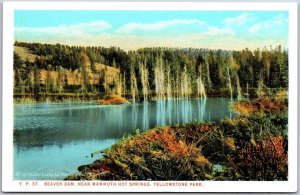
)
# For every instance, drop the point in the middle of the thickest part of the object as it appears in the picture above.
(46, 69)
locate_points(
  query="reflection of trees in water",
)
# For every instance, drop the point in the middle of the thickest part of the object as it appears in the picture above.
(73, 125)
(112, 122)
(146, 115)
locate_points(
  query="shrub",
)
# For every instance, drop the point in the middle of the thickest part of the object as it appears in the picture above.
(159, 155)
(265, 160)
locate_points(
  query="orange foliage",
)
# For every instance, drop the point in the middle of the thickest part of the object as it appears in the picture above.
(269, 105)
(113, 100)
(160, 149)
(136, 159)
(274, 145)
(203, 128)
(229, 141)
(265, 104)
(202, 160)
(167, 138)
(245, 108)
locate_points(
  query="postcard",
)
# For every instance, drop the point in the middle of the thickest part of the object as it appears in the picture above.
(149, 97)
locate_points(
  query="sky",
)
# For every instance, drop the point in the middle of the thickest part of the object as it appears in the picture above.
(130, 30)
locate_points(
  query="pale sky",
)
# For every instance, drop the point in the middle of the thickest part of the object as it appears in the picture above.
(131, 30)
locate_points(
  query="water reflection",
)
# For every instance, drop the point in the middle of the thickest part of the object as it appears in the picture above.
(62, 135)
(146, 115)
(48, 124)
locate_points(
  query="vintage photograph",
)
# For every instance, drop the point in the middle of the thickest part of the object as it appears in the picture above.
(150, 95)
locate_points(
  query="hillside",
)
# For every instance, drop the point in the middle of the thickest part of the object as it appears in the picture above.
(148, 73)
(72, 77)
(24, 53)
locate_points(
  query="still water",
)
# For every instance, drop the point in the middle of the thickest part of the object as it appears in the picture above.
(52, 139)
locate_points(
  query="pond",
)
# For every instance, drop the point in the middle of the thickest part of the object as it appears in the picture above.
(52, 139)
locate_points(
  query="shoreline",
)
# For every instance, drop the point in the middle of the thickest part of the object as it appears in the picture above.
(65, 97)
(197, 148)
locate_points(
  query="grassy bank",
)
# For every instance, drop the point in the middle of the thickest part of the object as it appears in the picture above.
(252, 146)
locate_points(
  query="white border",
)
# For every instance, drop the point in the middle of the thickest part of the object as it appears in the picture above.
(10, 185)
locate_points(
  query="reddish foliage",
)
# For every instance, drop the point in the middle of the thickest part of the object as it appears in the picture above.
(265, 104)
(266, 160)
(112, 100)
(167, 138)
